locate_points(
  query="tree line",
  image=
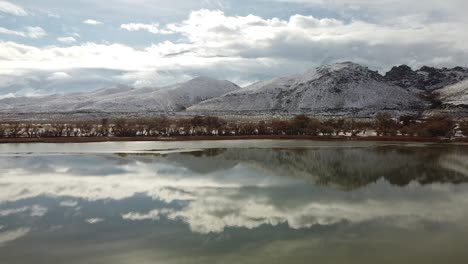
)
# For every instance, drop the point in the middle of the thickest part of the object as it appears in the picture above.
(382, 125)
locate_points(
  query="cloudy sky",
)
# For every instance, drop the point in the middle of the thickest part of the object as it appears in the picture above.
(62, 46)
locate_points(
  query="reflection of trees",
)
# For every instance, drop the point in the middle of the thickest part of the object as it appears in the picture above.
(426, 165)
(344, 168)
(206, 153)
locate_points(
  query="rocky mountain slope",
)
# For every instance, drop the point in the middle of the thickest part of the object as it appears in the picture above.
(336, 89)
(455, 95)
(446, 88)
(124, 99)
(426, 78)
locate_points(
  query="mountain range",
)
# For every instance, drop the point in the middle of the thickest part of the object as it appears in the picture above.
(339, 89)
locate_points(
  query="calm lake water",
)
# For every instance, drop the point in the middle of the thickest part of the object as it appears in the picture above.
(233, 202)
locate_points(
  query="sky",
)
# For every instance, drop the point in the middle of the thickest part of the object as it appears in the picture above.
(65, 46)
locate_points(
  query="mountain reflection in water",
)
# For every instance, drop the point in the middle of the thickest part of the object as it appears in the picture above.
(354, 204)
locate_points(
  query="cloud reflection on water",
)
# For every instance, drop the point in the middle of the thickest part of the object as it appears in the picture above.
(217, 205)
(249, 188)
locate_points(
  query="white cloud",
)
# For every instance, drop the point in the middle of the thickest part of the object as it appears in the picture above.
(213, 29)
(92, 22)
(8, 95)
(212, 36)
(13, 9)
(38, 211)
(57, 76)
(93, 221)
(9, 236)
(68, 203)
(389, 7)
(29, 32)
(152, 215)
(67, 40)
(151, 28)
(35, 32)
(35, 211)
(249, 48)
(8, 212)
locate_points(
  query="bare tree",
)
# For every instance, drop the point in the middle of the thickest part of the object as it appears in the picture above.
(353, 127)
(438, 126)
(58, 129)
(262, 128)
(464, 127)
(86, 129)
(15, 130)
(385, 125)
(104, 128)
(3, 130)
(326, 129)
(122, 128)
(280, 127)
(70, 130)
(30, 130)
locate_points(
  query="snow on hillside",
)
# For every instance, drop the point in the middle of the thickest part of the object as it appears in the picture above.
(456, 94)
(426, 78)
(338, 87)
(124, 99)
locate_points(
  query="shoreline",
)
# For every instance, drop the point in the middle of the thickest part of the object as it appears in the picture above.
(219, 138)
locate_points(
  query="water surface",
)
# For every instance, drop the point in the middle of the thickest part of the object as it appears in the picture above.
(233, 202)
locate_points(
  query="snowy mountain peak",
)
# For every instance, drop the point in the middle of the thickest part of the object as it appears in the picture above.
(203, 79)
(341, 71)
(212, 82)
(341, 65)
(341, 87)
(455, 94)
(124, 99)
(426, 78)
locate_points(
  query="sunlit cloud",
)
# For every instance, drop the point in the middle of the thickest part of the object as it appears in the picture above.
(34, 211)
(68, 203)
(8, 212)
(244, 48)
(29, 32)
(66, 40)
(12, 235)
(58, 76)
(12, 9)
(38, 211)
(151, 28)
(92, 22)
(93, 221)
(152, 215)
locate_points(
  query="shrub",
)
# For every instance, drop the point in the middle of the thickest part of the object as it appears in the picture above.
(438, 126)
(464, 127)
(385, 125)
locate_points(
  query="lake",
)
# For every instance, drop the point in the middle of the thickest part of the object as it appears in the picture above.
(256, 201)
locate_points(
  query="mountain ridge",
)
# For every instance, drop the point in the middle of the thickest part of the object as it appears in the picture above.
(124, 99)
(343, 88)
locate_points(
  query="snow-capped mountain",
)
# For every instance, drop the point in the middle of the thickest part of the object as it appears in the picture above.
(338, 88)
(426, 78)
(124, 99)
(455, 95)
